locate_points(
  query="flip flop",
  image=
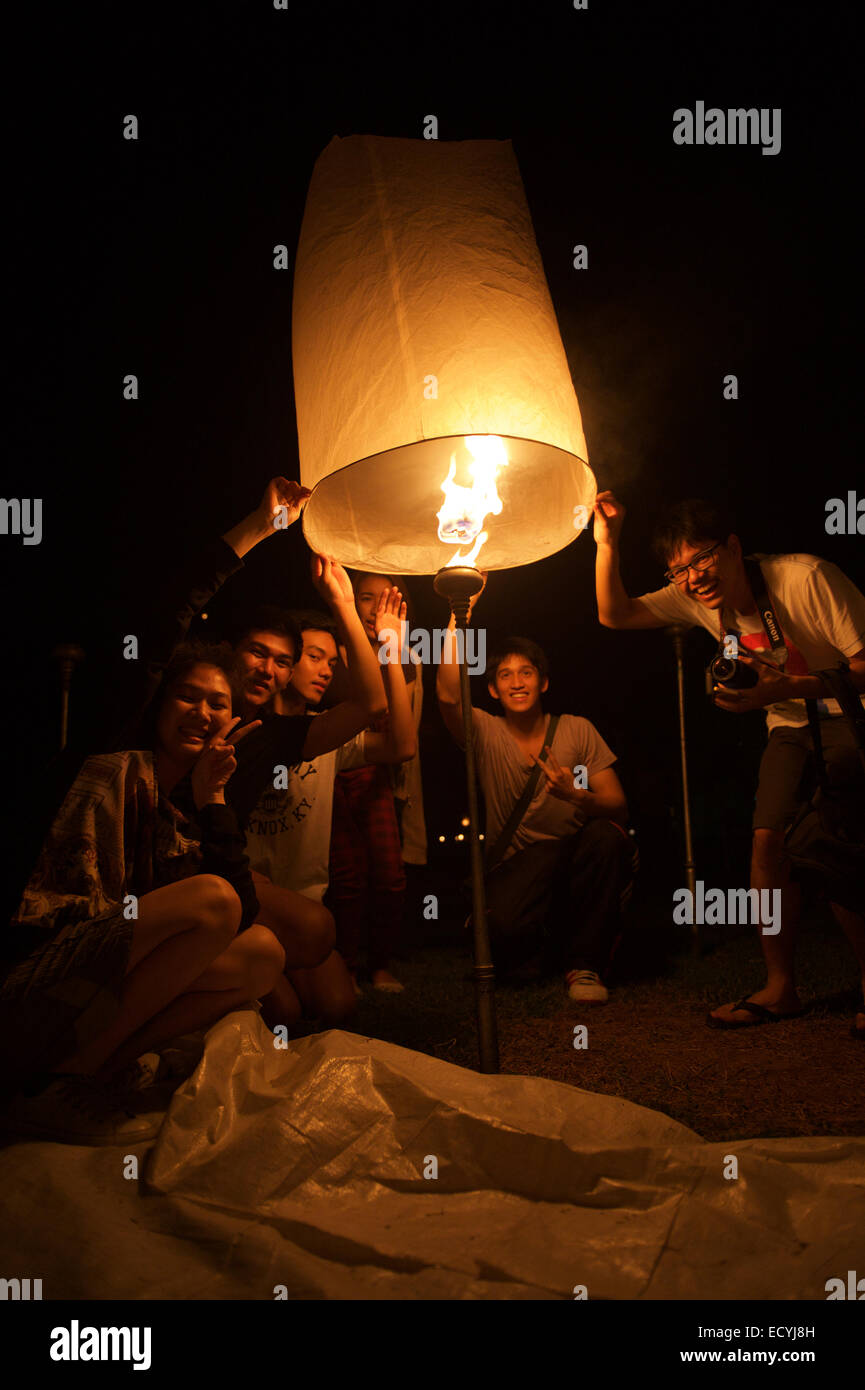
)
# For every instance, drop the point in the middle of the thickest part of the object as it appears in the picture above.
(760, 1015)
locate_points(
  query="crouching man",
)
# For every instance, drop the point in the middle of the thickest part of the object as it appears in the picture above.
(559, 862)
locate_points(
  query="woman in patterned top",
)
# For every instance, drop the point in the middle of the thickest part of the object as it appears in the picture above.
(137, 925)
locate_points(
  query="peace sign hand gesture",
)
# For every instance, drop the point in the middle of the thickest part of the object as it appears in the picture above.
(560, 782)
(216, 762)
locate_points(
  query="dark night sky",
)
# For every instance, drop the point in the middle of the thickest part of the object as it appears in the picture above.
(155, 257)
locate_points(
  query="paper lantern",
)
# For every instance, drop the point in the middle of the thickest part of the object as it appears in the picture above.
(427, 355)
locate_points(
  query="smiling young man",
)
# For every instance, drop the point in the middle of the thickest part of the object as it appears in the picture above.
(289, 832)
(822, 619)
(561, 879)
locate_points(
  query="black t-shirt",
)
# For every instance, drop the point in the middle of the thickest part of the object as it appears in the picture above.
(223, 849)
(279, 742)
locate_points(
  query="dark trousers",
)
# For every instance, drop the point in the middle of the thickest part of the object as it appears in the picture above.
(561, 898)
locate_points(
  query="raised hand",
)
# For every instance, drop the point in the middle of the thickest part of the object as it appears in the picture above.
(282, 493)
(389, 619)
(331, 581)
(216, 762)
(609, 518)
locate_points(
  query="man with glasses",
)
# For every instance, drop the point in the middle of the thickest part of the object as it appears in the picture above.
(822, 619)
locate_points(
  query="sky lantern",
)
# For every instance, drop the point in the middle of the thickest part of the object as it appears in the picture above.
(437, 421)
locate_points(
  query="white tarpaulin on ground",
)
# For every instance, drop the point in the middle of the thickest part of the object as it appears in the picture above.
(305, 1168)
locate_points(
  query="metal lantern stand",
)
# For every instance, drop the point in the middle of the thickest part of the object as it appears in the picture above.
(677, 633)
(68, 656)
(458, 584)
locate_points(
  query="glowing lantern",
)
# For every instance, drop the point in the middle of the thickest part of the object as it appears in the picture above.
(428, 361)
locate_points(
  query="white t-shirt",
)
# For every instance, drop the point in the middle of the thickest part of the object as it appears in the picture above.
(288, 836)
(822, 617)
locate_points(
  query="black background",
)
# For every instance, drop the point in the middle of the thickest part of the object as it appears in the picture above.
(155, 257)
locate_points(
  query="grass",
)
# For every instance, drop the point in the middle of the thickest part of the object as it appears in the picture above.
(650, 1043)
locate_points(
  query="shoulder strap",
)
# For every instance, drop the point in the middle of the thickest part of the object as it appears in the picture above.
(840, 682)
(522, 804)
(768, 618)
(816, 739)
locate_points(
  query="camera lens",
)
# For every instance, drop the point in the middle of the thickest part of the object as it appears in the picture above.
(733, 674)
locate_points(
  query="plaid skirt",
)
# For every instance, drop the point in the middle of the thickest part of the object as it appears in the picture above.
(365, 850)
(62, 995)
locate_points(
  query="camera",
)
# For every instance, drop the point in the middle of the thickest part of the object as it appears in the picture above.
(727, 671)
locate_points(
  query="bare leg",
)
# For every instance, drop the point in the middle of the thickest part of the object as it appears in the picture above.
(246, 970)
(770, 869)
(303, 926)
(327, 991)
(386, 910)
(181, 929)
(853, 926)
(281, 1007)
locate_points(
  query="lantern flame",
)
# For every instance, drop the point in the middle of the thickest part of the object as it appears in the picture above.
(465, 509)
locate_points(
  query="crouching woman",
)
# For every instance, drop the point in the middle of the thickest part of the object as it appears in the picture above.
(138, 923)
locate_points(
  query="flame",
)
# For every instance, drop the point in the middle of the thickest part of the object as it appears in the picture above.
(465, 509)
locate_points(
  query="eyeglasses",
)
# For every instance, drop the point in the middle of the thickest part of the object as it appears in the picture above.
(701, 561)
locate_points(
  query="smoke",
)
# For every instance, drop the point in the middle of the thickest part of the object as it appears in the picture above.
(627, 362)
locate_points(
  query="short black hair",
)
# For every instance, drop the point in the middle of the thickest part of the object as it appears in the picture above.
(181, 662)
(516, 646)
(306, 619)
(268, 617)
(688, 522)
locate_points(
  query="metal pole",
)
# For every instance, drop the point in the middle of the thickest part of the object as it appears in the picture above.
(68, 656)
(678, 634)
(458, 584)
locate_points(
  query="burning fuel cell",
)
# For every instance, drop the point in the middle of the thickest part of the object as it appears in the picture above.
(465, 509)
(418, 257)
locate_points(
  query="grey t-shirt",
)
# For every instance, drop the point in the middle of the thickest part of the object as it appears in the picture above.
(503, 771)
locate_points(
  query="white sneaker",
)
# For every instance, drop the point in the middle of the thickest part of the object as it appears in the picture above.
(77, 1110)
(585, 987)
(138, 1075)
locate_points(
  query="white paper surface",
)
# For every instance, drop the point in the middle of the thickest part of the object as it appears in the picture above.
(421, 315)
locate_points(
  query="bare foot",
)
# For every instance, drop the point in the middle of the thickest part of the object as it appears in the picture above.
(382, 979)
(776, 1003)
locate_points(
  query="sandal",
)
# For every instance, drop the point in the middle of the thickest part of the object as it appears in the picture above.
(760, 1015)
